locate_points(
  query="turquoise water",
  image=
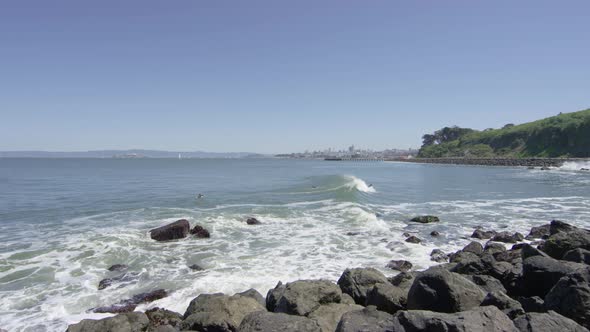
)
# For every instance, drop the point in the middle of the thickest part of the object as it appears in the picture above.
(64, 221)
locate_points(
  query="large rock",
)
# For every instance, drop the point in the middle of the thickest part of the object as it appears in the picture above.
(487, 283)
(532, 303)
(273, 296)
(577, 255)
(128, 322)
(262, 321)
(400, 265)
(539, 232)
(218, 312)
(509, 306)
(358, 282)
(425, 219)
(443, 291)
(328, 316)
(547, 322)
(176, 230)
(403, 280)
(162, 317)
(128, 305)
(565, 237)
(507, 237)
(304, 296)
(438, 256)
(571, 297)
(474, 247)
(200, 232)
(255, 295)
(540, 274)
(368, 319)
(484, 319)
(482, 235)
(387, 298)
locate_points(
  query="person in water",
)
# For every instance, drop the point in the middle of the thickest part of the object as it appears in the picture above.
(370, 185)
(199, 196)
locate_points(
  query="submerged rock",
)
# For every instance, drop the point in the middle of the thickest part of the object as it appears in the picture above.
(118, 268)
(358, 282)
(176, 230)
(261, 321)
(200, 232)
(121, 279)
(399, 265)
(425, 219)
(434, 233)
(253, 221)
(129, 305)
(413, 239)
(196, 267)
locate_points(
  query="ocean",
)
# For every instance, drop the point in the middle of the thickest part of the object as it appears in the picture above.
(63, 222)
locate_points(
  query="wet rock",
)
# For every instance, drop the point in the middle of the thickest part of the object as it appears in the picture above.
(218, 312)
(129, 305)
(482, 319)
(368, 319)
(434, 233)
(304, 296)
(425, 219)
(539, 232)
(196, 267)
(439, 256)
(565, 237)
(252, 293)
(577, 255)
(123, 279)
(132, 322)
(474, 247)
(557, 226)
(176, 230)
(532, 304)
(353, 233)
(387, 298)
(406, 234)
(327, 316)
(162, 317)
(253, 221)
(262, 321)
(399, 265)
(540, 274)
(118, 267)
(358, 282)
(547, 322)
(200, 232)
(443, 291)
(487, 283)
(483, 235)
(507, 237)
(413, 239)
(571, 297)
(509, 306)
(273, 295)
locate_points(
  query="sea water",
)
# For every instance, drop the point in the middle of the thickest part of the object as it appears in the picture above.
(63, 222)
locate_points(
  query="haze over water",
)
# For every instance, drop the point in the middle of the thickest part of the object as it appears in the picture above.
(63, 222)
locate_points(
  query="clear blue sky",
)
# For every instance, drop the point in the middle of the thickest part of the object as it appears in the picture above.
(282, 76)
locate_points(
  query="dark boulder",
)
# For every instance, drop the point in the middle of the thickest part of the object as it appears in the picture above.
(218, 312)
(118, 268)
(539, 232)
(253, 221)
(129, 305)
(425, 219)
(509, 306)
(507, 237)
(443, 291)
(434, 233)
(474, 247)
(530, 251)
(358, 282)
(565, 237)
(200, 232)
(493, 248)
(578, 256)
(328, 315)
(368, 319)
(387, 298)
(532, 304)
(132, 322)
(176, 230)
(196, 267)
(463, 257)
(403, 280)
(487, 283)
(252, 293)
(122, 280)
(547, 322)
(304, 296)
(439, 256)
(273, 295)
(399, 265)
(540, 274)
(557, 226)
(262, 321)
(162, 317)
(483, 235)
(413, 239)
(484, 319)
(571, 297)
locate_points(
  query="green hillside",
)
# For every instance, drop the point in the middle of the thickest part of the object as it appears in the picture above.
(564, 135)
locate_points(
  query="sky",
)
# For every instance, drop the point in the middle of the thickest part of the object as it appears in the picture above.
(282, 76)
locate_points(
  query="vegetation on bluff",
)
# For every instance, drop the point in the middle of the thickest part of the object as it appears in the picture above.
(564, 135)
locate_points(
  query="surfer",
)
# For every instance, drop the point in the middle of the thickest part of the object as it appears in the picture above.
(199, 196)
(370, 185)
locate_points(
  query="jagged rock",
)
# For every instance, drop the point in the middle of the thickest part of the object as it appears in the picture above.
(488, 319)
(474, 247)
(413, 239)
(118, 267)
(439, 256)
(196, 267)
(399, 265)
(358, 282)
(218, 312)
(304, 296)
(262, 321)
(387, 298)
(532, 304)
(539, 232)
(565, 237)
(547, 322)
(252, 293)
(200, 232)
(327, 316)
(509, 306)
(253, 221)
(487, 283)
(434, 233)
(506, 237)
(129, 305)
(176, 230)
(162, 317)
(571, 297)
(540, 274)
(577, 255)
(425, 219)
(443, 291)
(368, 319)
(483, 235)
(273, 295)
(557, 226)
(128, 322)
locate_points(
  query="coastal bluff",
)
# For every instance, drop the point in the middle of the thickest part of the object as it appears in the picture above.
(508, 162)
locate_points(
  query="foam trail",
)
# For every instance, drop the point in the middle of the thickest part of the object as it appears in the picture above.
(359, 184)
(575, 165)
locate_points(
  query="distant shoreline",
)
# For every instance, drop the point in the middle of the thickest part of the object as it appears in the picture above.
(513, 162)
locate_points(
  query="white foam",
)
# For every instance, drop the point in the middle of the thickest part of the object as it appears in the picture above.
(575, 165)
(359, 184)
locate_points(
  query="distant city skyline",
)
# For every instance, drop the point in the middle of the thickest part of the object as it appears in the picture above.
(281, 77)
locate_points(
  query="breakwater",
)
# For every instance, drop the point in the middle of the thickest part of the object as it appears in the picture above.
(511, 162)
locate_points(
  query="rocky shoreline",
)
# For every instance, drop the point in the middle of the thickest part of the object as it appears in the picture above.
(509, 162)
(540, 284)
